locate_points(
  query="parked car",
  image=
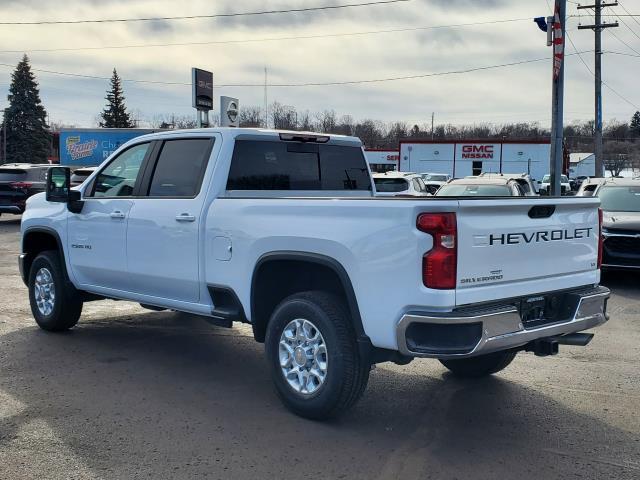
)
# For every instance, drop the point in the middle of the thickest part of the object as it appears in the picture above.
(19, 181)
(282, 230)
(522, 179)
(545, 185)
(79, 175)
(433, 181)
(399, 183)
(436, 177)
(588, 186)
(481, 186)
(620, 203)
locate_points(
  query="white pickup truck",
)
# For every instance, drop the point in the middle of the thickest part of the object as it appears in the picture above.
(283, 230)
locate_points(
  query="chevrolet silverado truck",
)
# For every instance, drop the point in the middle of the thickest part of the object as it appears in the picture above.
(283, 230)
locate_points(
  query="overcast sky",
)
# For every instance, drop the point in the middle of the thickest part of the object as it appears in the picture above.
(515, 93)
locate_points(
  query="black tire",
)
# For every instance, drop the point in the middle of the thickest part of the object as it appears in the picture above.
(347, 374)
(480, 366)
(67, 302)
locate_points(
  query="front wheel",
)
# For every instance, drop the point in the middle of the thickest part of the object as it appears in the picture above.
(313, 355)
(56, 305)
(481, 365)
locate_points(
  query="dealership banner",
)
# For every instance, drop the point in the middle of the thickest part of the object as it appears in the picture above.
(90, 147)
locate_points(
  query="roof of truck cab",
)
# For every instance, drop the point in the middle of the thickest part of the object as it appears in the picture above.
(480, 181)
(621, 182)
(251, 133)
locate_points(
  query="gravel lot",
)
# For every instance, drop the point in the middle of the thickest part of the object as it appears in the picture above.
(131, 393)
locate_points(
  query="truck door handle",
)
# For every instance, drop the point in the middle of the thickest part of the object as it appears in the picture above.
(185, 217)
(116, 214)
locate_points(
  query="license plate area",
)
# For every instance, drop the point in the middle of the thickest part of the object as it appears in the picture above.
(545, 309)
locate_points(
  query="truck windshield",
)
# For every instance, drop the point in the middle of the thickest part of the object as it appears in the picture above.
(620, 199)
(386, 185)
(474, 191)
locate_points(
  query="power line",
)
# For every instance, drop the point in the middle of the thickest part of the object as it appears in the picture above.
(633, 17)
(194, 17)
(307, 84)
(592, 73)
(626, 24)
(269, 39)
(622, 53)
(617, 37)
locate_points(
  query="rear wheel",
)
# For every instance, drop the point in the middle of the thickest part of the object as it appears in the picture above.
(313, 355)
(480, 366)
(56, 305)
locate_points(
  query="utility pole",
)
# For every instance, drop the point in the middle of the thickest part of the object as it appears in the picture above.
(266, 104)
(557, 39)
(433, 114)
(597, 27)
(4, 137)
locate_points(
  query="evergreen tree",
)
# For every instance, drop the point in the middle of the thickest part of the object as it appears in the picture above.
(28, 138)
(635, 124)
(115, 113)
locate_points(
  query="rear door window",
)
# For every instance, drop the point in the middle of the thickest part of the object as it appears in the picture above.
(268, 165)
(180, 168)
(12, 174)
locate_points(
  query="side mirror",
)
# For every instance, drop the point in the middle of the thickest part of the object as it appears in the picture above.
(538, 182)
(58, 184)
(59, 189)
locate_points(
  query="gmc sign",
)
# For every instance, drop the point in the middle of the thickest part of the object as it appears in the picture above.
(477, 151)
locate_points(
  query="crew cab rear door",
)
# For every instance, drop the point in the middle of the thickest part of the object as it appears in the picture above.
(521, 246)
(163, 248)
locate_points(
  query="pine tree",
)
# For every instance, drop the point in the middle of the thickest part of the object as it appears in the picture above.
(115, 113)
(28, 137)
(635, 124)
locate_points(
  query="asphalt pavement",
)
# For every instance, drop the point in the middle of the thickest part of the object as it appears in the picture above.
(131, 393)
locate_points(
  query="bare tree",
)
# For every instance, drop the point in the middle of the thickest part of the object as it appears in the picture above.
(173, 121)
(326, 121)
(345, 126)
(283, 117)
(251, 117)
(304, 121)
(370, 134)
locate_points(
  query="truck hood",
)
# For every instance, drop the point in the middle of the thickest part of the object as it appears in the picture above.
(621, 220)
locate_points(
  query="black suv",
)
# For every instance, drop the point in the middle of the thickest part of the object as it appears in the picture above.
(18, 181)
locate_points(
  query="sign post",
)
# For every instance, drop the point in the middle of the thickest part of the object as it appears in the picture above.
(202, 94)
(229, 112)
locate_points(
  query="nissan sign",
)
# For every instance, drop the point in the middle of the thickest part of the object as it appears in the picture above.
(202, 89)
(229, 111)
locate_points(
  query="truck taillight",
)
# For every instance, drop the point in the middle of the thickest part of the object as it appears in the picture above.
(20, 185)
(439, 265)
(600, 238)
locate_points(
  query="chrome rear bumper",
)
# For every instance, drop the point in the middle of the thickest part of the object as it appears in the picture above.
(502, 327)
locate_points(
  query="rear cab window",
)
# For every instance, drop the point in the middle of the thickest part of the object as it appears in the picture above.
(391, 185)
(289, 166)
(12, 174)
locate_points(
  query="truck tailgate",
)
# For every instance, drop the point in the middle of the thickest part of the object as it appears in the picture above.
(516, 247)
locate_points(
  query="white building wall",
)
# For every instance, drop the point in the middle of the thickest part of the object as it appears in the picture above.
(532, 158)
